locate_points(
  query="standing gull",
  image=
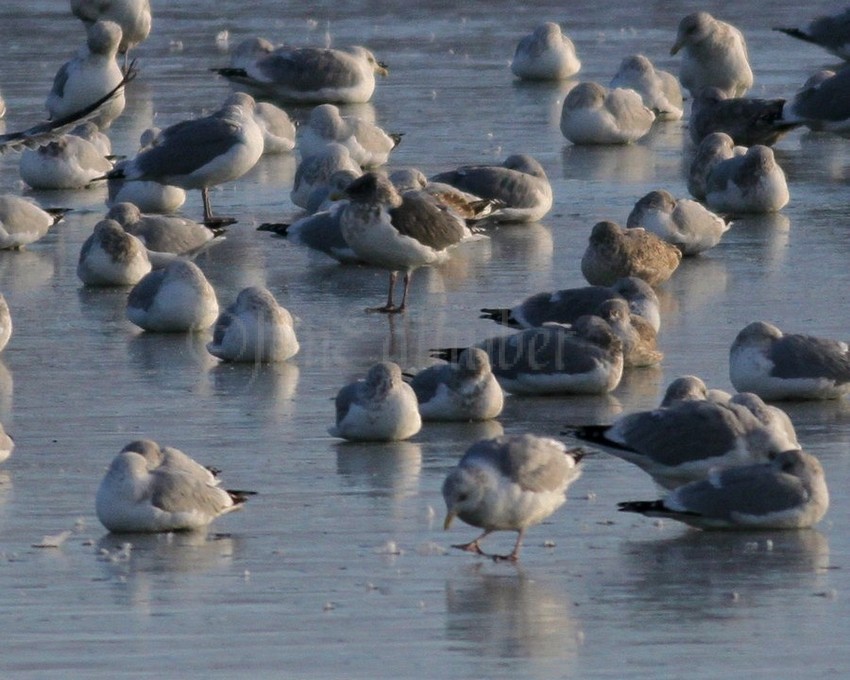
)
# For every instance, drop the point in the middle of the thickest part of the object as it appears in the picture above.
(509, 484)
(399, 232)
(368, 144)
(112, 257)
(776, 365)
(310, 75)
(133, 16)
(788, 492)
(593, 114)
(464, 391)
(382, 407)
(831, 32)
(132, 497)
(613, 252)
(714, 55)
(566, 306)
(23, 222)
(545, 54)
(255, 328)
(660, 90)
(750, 183)
(684, 223)
(520, 183)
(200, 153)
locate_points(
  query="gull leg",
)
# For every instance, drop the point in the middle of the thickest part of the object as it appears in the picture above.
(209, 220)
(403, 305)
(389, 308)
(514, 556)
(473, 546)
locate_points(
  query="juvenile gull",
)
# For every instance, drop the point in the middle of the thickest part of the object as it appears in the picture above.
(464, 391)
(5, 336)
(831, 32)
(788, 492)
(367, 143)
(586, 358)
(399, 232)
(751, 183)
(203, 152)
(89, 76)
(686, 439)
(112, 257)
(715, 147)
(636, 333)
(746, 120)
(775, 365)
(255, 328)
(714, 55)
(163, 233)
(23, 222)
(509, 483)
(134, 498)
(277, 128)
(520, 183)
(660, 90)
(133, 17)
(545, 54)
(382, 407)
(613, 253)
(593, 114)
(69, 162)
(566, 306)
(684, 223)
(175, 299)
(310, 75)
(315, 171)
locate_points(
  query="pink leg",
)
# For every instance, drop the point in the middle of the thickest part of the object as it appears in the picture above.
(514, 556)
(473, 546)
(390, 308)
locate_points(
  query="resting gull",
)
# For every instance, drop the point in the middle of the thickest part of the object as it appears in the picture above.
(277, 128)
(566, 306)
(169, 458)
(714, 54)
(310, 75)
(7, 445)
(164, 233)
(112, 257)
(636, 333)
(776, 365)
(746, 120)
(132, 497)
(749, 183)
(22, 221)
(831, 32)
(465, 391)
(509, 483)
(381, 407)
(255, 329)
(69, 162)
(715, 147)
(684, 223)
(5, 336)
(520, 184)
(788, 492)
(399, 232)
(660, 90)
(613, 252)
(822, 103)
(594, 114)
(175, 299)
(314, 174)
(203, 152)
(367, 143)
(545, 54)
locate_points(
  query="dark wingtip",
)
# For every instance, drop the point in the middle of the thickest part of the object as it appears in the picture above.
(239, 496)
(450, 354)
(396, 137)
(279, 228)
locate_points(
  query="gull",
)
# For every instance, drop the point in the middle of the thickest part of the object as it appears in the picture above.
(368, 144)
(381, 407)
(5, 336)
(203, 152)
(746, 120)
(822, 103)
(69, 162)
(7, 445)
(22, 221)
(776, 365)
(399, 232)
(465, 391)
(132, 16)
(509, 483)
(169, 458)
(277, 128)
(715, 147)
(175, 299)
(688, 438)
(134, 498)
(566, 306)
(545, 54)
(613, 252)
(636, 333)
(520, 184)
(586, 358)
(788, 492)
(2, 106)
(255, 329)
(594, 114)
(714, 54)
(89, 76)
(660, 90)
(831, 32)
(91, 133)
(468, 206)
(750, 183)
(310, 75)
(164, 233)
(112, 257)
(321, 231)
(249, 50)
(315, 171)
(684, 223)
(685, 388)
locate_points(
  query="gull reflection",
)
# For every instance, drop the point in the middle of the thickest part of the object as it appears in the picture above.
(173, 360)
(264, 388)
(380, 470)
(24, 270)
(627, 163)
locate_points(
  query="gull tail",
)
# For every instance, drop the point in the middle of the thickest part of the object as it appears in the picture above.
(396, 137)
(642, 507)
(594, 434)
(58, 214)
(450, 354)
(239, 496)
(279, 228)
(500, 315)
(796, 33)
